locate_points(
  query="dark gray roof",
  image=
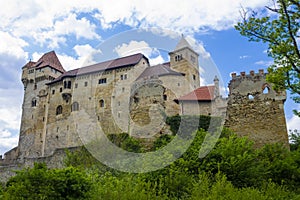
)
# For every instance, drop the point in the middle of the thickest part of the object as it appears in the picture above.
(159, 70)
(103, 66)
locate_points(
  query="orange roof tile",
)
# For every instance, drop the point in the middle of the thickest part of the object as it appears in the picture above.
(204, 93)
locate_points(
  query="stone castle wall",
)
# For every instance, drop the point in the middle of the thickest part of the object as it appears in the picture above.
(256, 110)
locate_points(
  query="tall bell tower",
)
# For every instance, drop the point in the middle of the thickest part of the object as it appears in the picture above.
(184, 59)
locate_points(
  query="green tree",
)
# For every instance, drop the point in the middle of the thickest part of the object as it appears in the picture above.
(40, 182)
(279, 28)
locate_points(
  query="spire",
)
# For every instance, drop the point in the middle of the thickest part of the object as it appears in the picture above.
(182, 44)
(217, 86)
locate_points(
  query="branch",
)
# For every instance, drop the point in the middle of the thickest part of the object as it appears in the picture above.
(291, 35)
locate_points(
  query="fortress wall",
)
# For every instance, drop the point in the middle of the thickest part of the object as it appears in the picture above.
(256, 110)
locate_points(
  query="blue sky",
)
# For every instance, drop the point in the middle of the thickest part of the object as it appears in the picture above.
(83, 32)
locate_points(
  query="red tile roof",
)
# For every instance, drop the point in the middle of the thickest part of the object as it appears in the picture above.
(29, 65)
(204, 93)
(48, 59)
(107, 65)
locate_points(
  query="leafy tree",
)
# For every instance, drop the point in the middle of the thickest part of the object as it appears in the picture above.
(294, 137)
(42, 183)
(279, 28)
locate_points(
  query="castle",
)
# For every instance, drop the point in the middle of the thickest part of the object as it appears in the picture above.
(128, 95)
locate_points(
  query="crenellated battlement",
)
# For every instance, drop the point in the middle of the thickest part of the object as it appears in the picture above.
(252, 73)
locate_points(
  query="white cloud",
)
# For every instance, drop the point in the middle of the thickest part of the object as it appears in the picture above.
(244, 57)
(293, 123)
(143, 47)
(12, 45)
(7, 141)
(264, 63)
(198, 47)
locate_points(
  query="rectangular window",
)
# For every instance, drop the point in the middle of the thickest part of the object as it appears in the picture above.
(123, 77)
(85, 84)
(53, 91)
(76, 85)
(102, 81)
(194, 77)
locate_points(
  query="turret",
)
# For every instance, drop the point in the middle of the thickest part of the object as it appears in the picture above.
(217, 86)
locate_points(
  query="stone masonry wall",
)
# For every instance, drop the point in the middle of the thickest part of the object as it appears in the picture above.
(256, 110)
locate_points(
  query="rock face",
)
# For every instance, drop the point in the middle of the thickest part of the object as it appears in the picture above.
(255, 109)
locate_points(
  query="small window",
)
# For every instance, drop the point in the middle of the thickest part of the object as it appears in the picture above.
(59, 110)
(60, 89)
(101, 103)
(125, 76)
(121, 77)
(67, 84)
(102, 81)
(53, 91)
(33, 103)
(194, 77)
(35, 86)
(266, 90)
(85, 84)
(250, 97)
(178, 57)
(75, 106)
(123, 89)
(76, 85)
(119, 103)
(165, 97)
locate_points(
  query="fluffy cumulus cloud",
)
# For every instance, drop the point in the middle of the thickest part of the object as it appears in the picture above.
(7, 141)
(293, 123)
(143, 47)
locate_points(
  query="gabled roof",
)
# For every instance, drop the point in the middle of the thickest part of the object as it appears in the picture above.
(103, 66)
(182, 44)
(159, 70)
(204, 93)
(47, 60)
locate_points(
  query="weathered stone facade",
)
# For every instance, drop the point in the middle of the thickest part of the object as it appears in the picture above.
(255, 109)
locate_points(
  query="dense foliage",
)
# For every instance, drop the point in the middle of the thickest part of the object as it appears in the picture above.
(232, 170)
(42, 183)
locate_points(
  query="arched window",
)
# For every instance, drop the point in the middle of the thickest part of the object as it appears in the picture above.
(266, 89)
(33, 102)
(101, 103)
(75, 106)
(59, 110)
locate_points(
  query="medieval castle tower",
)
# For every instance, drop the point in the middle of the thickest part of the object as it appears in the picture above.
(128, 95)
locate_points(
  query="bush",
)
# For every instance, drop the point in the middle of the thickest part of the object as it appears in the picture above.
(42, 183)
